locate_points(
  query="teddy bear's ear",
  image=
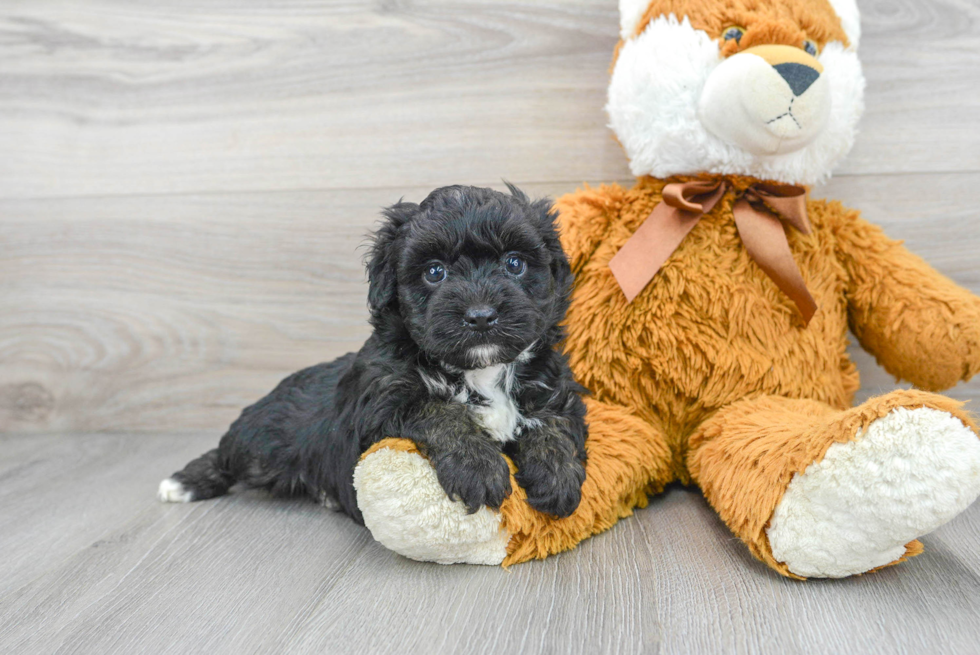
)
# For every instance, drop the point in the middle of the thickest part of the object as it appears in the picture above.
(381, 260)
(850, 20)
(630, 13)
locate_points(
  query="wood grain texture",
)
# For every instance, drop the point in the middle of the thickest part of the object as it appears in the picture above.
(183, 190)
(112, 97)
(246, 573)
(153, 313)
(173, 312)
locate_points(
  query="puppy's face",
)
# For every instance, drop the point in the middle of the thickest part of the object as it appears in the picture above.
(476, 276)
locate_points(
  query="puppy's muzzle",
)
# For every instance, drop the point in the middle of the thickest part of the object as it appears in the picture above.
(480, 318)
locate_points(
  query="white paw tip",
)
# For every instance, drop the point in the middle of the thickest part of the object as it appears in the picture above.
(910, 472)
(172, 491)
(407, 511)
(329, 502)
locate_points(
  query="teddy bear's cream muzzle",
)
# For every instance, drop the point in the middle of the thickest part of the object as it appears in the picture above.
(767, 100)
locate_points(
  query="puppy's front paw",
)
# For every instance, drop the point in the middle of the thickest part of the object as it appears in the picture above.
(553, 486)
(475, 477)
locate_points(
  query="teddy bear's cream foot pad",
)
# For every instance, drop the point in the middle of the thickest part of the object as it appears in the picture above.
(407, 510)
(853, 511)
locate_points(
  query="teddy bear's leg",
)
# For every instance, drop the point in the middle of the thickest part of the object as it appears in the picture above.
(407, 511)
(819, 492)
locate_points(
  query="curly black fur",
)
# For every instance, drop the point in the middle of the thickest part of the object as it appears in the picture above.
(428, 375)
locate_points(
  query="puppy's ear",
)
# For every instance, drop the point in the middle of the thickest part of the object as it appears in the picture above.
(547, 217)
(382, 266)
(517, 194)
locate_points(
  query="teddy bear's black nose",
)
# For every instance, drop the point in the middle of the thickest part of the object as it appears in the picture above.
(480, 318)
(798, 76)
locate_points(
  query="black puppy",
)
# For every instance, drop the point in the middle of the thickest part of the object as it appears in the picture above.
(466, 294)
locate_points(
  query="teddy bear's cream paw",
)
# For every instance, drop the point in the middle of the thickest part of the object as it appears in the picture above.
(911, 471)
(407, 510)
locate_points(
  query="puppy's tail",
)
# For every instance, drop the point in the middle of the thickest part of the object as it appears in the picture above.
(202, 478)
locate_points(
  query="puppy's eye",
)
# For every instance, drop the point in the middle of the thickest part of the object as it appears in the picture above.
(434, 273)
(810, 47)
(733, 33)
(515, 265)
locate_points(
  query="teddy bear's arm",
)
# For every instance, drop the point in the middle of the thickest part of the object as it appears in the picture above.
(917, 323)
(583, 219)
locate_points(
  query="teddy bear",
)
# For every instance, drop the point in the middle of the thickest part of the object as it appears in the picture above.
(710, 315)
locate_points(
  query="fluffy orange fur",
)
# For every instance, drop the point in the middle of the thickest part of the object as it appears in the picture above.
(744, 457)
(710, 377)
(734, 392)
(764, 21)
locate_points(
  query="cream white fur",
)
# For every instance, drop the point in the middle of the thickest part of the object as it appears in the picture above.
(910, 472)
(525, 355)
(630, 13)
(747, 103)
(172, 491)
(655, 91)
(500, 417)
(483, 355)
(408, 512)
(850, 20)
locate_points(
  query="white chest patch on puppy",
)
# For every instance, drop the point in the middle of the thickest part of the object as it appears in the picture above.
(494, 407)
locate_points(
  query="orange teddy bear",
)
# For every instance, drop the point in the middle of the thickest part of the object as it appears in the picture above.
(710, 316)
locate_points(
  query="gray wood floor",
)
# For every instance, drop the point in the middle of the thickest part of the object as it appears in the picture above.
(94, 565)
(184, 187)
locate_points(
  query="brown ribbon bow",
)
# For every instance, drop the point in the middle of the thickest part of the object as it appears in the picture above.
(759, 211)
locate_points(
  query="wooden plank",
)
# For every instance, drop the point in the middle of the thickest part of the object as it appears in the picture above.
(172, 313)
(182, 192)
(118, 99)
(100, 300)
(180, 97)
(922, 104)
(248, 573)
(217, 576)
(716, 598)
(68, 492)
(592, 600)
(141, 575)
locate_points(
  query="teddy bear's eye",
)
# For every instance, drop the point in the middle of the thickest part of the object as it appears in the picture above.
(733, 32)
(810, 47)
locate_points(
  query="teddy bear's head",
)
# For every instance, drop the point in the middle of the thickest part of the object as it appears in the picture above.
(767, 88)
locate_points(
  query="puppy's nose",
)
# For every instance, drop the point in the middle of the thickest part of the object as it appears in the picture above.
(480, 318)
(798, 76)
